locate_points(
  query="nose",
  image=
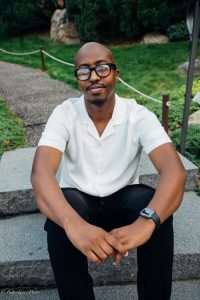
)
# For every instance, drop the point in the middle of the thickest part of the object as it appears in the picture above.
(94, 76)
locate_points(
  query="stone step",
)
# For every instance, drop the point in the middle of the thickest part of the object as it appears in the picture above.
(24, 260)
(181, 290)
(16, 195)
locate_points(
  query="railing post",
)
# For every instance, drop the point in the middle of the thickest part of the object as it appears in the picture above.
(165, 112)
(42, 60)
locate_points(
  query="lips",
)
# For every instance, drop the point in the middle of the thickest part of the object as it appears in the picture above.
(96, 88)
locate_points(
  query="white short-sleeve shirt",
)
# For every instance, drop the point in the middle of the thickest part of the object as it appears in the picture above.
(101, 165)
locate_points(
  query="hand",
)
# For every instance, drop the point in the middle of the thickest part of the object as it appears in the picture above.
(133, 235)
(92, 241)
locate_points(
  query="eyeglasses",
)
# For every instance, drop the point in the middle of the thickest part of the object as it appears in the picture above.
(102, 71)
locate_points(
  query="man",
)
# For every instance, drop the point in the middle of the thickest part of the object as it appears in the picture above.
(97, 209)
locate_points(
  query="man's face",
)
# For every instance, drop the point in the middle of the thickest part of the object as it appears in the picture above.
(96, 90)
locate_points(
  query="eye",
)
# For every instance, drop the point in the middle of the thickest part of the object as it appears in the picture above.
(102, 68)
(83, 71)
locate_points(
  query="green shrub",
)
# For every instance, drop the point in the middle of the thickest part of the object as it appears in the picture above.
(192, 148)
(86, 17)
(21, 16)
(126, 19)
(47, 7)
(178, 32)
(154, 15)
(176, 107)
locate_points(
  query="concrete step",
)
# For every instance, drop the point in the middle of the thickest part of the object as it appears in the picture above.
(24, 260)
(16, 195)
(181, 290)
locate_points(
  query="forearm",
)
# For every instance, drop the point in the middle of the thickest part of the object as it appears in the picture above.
(50, 199)
(169, 192)
(166, 200)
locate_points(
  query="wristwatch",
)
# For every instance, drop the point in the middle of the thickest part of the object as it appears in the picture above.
(150, 213)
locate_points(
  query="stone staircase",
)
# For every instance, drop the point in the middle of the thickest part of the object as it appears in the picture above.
(25, 268)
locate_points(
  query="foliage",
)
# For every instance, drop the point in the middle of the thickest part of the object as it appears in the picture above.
(176, 100)
(154, 15)
(122, 20)
(11, 129)
(178, 32)
(195, 86)
(21, 16)
(192, 149)
(87, 13)
(46, 6)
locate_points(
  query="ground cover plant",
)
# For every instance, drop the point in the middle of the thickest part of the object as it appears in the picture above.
(152, 69)
(11, 129)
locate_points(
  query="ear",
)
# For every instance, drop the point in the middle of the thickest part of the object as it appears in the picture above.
(117, 75)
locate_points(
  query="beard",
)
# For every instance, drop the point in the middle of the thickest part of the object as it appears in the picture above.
(96, 102)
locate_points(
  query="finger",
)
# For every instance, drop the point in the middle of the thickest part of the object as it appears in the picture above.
(117, 258)
(108, 250)
(116, 244)
(99, 252)
(93, 258)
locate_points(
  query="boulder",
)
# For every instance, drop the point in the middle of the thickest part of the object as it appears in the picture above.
(154, 38)
(196, 98)
(62, 31)
(183, 68)
(194, 119)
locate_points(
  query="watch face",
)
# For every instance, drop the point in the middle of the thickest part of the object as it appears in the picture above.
(148, 212)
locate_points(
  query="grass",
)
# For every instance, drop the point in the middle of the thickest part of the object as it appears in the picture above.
(152, 69)
(11, 129)
(149, 68)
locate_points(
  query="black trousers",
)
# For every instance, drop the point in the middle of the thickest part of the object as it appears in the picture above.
(155, 258)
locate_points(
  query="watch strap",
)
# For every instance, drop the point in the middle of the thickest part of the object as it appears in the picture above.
(151, 214)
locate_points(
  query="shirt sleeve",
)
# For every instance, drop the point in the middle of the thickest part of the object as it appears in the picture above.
(150, 132)
(55, 133)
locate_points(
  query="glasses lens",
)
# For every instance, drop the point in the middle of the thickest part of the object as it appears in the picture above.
(83, 74)
(103, 70)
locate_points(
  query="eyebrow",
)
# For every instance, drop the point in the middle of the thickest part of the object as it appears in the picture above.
(96, 62)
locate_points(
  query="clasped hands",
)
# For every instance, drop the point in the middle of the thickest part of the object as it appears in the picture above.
(97, 244)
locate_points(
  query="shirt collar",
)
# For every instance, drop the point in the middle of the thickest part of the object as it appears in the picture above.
(118, 115)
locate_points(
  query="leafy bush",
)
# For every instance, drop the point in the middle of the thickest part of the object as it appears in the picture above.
(178, 32)
(154, 15)
(176, 107)
(21, 16)
(110, 20)
(192, 148)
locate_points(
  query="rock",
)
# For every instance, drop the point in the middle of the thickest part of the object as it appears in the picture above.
(184, 67)
(197, 98)
(154, 38)
(62, 31)
(194, 119)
